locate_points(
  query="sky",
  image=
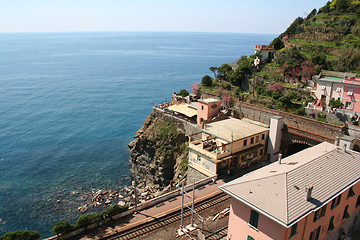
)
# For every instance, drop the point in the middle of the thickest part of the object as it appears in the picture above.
(238, 16)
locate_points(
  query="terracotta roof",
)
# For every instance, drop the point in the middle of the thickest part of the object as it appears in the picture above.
(278, 190)
(263, 47)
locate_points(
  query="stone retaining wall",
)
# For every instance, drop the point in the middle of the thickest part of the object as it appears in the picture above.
(313, 129)
(188, 127)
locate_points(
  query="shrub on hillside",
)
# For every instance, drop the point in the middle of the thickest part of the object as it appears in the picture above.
(87, 219)
(63, 227)
(21, 235)
(183, 93)
(207, 81)
(114, 209)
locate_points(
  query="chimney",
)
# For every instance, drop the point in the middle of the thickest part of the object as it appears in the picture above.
(279, 158)
(308, 191)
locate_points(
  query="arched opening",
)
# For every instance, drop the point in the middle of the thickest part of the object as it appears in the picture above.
(293, 148)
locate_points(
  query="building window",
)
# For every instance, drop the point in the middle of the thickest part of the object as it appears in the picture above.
(335, 201)
(263, 136)
(198, 158)
(331, 224)
(319, 213)
(250, 238)
(314, 235)
(254, 219)
(261, 151)
(351, 192)
(251, 140)
(346, 214)
(245, 142)
(348, 105)
(202, 107)
(257, 139)
(358, 201)
(293, 230)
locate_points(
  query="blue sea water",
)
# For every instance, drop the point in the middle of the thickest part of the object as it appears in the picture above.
(71, 102)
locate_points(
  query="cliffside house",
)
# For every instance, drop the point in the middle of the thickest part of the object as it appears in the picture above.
(227, 144)
(207, 109)
(313, 194)
(267, 51)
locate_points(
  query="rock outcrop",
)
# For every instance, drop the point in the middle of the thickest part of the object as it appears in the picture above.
(158, 154)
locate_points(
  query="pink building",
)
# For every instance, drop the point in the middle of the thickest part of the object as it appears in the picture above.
(207, 109)
(351, 94)
(313, 194)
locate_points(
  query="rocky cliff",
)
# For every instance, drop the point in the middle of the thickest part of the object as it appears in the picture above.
(158, 155)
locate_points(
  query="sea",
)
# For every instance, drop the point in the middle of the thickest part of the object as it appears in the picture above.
(71, 102)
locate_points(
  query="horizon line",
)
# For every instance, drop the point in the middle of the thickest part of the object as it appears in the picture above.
(131, 31)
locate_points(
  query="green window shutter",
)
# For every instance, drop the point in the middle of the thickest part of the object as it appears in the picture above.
(358, 201)
(317, 233)
(331, 224)
(293, 230)
(254, 218)
(346, 214)
(250, 238)
(351, 192)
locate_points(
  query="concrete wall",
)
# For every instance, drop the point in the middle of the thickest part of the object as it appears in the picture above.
(193, 174)
(297, 124)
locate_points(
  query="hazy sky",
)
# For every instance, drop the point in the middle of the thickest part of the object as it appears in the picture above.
(244, 16)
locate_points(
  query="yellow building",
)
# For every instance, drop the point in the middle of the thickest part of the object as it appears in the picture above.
(227, 144)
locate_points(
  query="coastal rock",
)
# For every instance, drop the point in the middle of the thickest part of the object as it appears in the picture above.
(156, 153)
(83, 208)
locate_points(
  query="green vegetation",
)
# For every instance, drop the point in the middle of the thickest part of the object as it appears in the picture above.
(207, 81)
(85, 220)
(183, 93)
(21, 235)
(63, 227)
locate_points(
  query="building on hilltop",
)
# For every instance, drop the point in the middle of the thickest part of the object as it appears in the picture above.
(267, 51)
(313, 194)
(227, 144)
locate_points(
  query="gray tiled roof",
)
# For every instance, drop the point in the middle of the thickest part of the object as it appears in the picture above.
(278, 190)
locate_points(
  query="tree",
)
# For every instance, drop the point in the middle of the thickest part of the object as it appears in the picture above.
(62, 227)
(277, 43)
(336, 103)
(195, 88)
(224, 71)
(276, 87)
(114, 209)
(214, 69)
(21, 235)
(239, 75)
(207, 81)
(341, 5)
(183, 93)
(87, 219)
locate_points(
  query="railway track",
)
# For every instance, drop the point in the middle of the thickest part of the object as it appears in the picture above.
(140, 231)
(220, 234)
